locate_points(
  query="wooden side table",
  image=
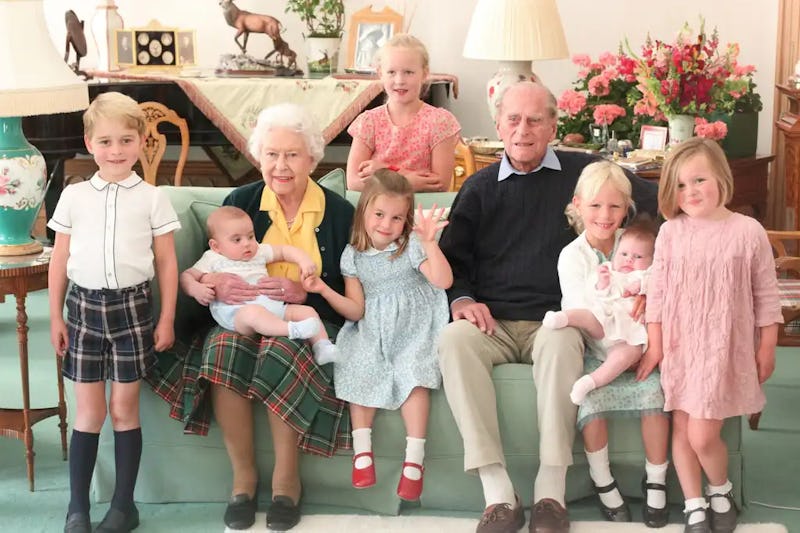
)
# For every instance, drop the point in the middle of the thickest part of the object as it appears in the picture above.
(20, 275)
(749, 184)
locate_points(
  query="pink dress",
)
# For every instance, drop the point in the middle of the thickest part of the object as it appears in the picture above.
(712, 284)
(409, 146)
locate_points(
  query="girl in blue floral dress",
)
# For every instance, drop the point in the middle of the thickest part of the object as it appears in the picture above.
(395, 306)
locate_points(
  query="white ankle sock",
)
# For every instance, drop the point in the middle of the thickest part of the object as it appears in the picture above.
(362, 443)
(656, 474)
(719, 505)
(551, 482)
(581, 388)
(497, 487)
(555, 320)
(304, 329)
(695, 503)
(325, 352)
(415, 453)
(600, 472)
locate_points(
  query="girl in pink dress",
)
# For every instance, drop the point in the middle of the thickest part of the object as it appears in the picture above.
(712, 319)
(405, 134)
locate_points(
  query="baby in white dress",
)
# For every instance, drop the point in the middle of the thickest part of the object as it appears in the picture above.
(608, 318)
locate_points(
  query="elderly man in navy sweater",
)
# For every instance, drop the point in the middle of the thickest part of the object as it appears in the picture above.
(507, 228)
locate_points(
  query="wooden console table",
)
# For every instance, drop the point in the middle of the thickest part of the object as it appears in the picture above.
(749, 181)
(749, 184)
(20, 275)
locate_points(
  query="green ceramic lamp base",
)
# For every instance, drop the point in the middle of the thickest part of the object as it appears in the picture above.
(22, 183)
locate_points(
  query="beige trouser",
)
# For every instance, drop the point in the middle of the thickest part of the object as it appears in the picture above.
(466, 357)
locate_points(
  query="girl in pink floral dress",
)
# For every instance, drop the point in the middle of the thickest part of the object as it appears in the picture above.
(712, 314)
(405, 134)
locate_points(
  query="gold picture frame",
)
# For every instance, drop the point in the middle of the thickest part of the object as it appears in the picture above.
(154, 47)
(368, 31)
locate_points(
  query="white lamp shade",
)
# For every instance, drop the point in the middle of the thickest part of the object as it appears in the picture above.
(34, 80)
(515, 30)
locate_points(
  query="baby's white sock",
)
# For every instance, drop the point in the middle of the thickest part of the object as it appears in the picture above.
(656, 474)
(497, 487)
(719, 505)
(325, 352)
(600, 472)
(555, 320)
(415, 453)
(695, 503)
(581, 388)
(362, 443)
(304, 329)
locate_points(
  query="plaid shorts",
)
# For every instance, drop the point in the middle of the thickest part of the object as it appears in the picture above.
(110, 334)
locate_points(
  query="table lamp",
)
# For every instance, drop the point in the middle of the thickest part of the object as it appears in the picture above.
(34, 80)
(514, 32)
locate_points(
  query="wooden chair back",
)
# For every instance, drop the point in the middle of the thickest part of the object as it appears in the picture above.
(155, 142)
(788, 270)
(465, 164)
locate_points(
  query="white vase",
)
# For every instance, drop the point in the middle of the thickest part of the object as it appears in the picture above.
(106, 19)
(681, 128)
(322, 55)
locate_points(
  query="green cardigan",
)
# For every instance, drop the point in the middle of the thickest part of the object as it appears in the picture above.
(333, 234)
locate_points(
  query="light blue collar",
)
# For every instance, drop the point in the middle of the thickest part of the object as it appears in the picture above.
(550, 160)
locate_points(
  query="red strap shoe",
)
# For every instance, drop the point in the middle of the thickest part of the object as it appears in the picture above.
(364, 477)
(410, 489)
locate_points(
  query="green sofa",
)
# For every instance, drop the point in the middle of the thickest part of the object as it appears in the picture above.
(177, 467)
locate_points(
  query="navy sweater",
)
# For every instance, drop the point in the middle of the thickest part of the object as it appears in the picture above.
(504, 238)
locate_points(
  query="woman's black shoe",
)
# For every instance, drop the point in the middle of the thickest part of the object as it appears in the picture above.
(283, 514)
(613, 514)
(653, 516)
(241, 511)
(699, 527)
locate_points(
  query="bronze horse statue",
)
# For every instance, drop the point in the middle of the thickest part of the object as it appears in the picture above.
(246, 23)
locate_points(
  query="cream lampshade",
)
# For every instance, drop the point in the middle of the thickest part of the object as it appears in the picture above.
(514, 32)
(34, 80)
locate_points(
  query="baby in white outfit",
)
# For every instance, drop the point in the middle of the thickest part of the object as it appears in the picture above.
(235, 250)
(609, 317)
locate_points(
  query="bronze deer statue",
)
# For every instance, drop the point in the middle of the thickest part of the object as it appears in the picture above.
(284, 53)
(246, 23)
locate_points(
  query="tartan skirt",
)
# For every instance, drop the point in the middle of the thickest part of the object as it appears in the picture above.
(276, 371)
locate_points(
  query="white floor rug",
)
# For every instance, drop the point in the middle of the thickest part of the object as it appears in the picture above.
(429, 524)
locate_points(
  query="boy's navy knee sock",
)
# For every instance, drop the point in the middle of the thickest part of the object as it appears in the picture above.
(82, 456)
(127, 453)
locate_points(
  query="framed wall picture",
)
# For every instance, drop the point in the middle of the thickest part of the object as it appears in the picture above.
(368, 31)
(653, 137)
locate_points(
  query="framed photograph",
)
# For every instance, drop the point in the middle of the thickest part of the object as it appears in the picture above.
(186, 48)
(152, 46)
(123, 48)
(653, 138)
(368, 31)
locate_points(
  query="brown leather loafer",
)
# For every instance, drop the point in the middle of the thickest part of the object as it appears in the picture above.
(502, 518)
(548, 516)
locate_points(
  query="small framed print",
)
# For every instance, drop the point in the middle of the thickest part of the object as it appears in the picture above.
(369, 30)
(186, 47)
(153, 46)
(653, 138)
(123, 48)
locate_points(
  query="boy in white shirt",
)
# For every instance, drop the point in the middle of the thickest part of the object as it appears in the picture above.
(234, 249)
(109, 230)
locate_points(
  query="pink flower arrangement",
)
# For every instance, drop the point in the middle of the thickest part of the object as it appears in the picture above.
(605, 94)
(692, 75)
(716, 130)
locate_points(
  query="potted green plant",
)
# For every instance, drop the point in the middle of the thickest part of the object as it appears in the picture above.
(324, 23)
